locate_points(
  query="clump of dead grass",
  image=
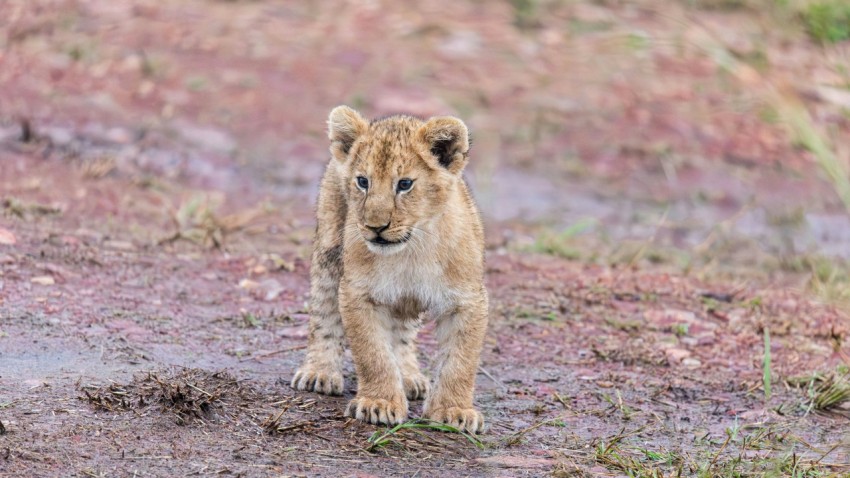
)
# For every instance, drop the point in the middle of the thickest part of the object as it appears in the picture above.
(827, 392)
(200, 220)
(830, 280)
(187, 394)
(110, 398)
(832, 392)
(276, 425)
(27, 211)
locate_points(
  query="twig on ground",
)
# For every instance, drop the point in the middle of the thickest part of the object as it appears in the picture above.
(274, 352)
(494, 379)
(562, 400)
(516, 437)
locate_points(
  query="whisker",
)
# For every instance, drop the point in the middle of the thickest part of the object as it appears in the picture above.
(419, 243)
(423, 230)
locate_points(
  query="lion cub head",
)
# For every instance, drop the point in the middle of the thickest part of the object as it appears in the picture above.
(400, 173)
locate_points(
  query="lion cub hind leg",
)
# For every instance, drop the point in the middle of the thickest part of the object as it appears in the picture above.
(461, 337)
(404, 342)
(322, 369)
(380, 394)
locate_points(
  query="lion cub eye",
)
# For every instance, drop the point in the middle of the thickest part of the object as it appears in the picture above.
(404, 185)
(362, 182)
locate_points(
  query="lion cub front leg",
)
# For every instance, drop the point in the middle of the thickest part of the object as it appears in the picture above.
(380, 394)
(461, 337)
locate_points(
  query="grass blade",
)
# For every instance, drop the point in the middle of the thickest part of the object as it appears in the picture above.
(378, 440)
(766, 365)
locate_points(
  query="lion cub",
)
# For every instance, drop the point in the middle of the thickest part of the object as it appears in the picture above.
(398, 234)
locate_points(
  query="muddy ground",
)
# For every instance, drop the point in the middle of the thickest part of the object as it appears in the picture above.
(651, 221)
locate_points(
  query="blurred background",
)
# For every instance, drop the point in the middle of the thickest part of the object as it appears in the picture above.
(666, 191)
(707, 137)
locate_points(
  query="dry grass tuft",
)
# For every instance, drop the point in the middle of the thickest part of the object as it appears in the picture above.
(198, 220)
(188, 394)
(831, 391)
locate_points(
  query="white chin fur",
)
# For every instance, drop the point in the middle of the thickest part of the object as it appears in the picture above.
(385, 250)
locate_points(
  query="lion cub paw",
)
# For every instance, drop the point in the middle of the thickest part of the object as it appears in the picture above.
(469, 420)
(416, 386)
(377, 410)
(319, 381)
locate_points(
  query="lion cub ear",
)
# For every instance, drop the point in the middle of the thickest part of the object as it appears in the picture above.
(448, 141)
(344, 127)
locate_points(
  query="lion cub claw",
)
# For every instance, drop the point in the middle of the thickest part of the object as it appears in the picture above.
(319, 381)
(416, 386)
(377, 410)
(469, 420)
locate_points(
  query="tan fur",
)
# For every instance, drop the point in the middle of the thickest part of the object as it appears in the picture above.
(432, 262)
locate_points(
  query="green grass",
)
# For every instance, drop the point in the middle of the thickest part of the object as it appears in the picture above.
(807, 135)
(661, 457)
(828, 21)
(524, 313)
(381, 439)
(197, 83)
(613, 457)
(743, 451)
(619, 405)
(626, 325)
(766, 376)
(250, 320)
(637, 461)
(560, 244)
(829, 277)
(718, 4)
(579, 27)
(830, 280)
(825, 391)
(526, 13)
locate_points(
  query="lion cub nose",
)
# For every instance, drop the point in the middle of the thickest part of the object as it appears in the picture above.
(378, 229)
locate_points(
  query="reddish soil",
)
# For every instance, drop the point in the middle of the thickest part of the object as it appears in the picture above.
(158, 165)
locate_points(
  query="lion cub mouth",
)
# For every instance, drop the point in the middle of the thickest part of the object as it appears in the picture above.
(384, 242)
(380, 245)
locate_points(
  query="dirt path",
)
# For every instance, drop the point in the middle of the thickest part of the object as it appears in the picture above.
(156, 191)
